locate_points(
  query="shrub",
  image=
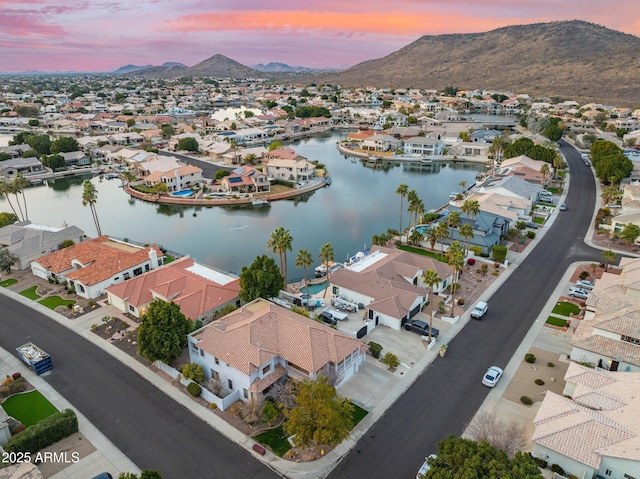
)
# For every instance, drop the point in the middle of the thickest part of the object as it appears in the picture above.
(542, 464)
(16, 376)
(471, 261)
(4, 391)
(375, 349)
(46, 432)
(584, 275)
(572, 476)
(499, 252)
(526, 400)
(531, 234)
(17, 428)
(391, 360)
(477, 250)
(269, 412)
(460, 301)
(193, 371)
(194, 389)
(551, 365)
(557, 469)
(17, 386)
(530, 358)
(539, 382)
(213, 406)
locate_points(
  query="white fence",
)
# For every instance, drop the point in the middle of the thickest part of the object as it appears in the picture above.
(221, 403)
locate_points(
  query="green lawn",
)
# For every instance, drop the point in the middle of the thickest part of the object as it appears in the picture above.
(31, 292)
(276, 439)
(168, 258)
(29, 408)
(358, 414)
(538, 220)
(423, 252)
(52, 302)
(557, 321)
(565, 308)
(8, 282)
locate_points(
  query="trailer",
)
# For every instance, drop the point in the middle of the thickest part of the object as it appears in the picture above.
(35, 358)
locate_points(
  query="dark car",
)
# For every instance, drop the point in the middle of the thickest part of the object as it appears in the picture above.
(328, 319)
(421, 327)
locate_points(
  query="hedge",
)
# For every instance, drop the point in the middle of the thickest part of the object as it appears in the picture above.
(44, 433)
(194, 389)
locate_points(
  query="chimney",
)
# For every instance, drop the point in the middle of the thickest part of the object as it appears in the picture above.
(153, 256)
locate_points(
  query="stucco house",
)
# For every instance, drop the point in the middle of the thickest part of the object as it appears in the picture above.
(422, 145)
(592, 430)
(95, 264)
(286, 164)
(245, 179)
(176, 179)
(250, 349)
(29, 167)
(28, 241)
(200, 291)
(390, 284)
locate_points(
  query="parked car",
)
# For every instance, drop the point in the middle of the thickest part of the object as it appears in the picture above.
(584, 284)
(580, 293)
(425, 467)
(421, 327)
(562, 207)
(532, 225)
(492, 376)
(327, 318)
(480, 310)
(103, 475)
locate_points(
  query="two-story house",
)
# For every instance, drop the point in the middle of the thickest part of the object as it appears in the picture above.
(245, 179)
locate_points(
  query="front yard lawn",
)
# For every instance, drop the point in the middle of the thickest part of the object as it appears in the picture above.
(29, 408)
(358, 414)
(52, 302)
(423, 252)
(31, 292)
(561, 323)
(564, 308)
(8, 282)
(275, 439)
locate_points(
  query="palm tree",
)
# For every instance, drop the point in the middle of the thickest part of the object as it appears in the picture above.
(280, 242)
(431, 278)
(18, 186)
(326, 255)
(609, 257)
(442, 232)
(412, 199)
(419, 211)
(432, 237)
(470, 207)
(497, 145)
(5, 189)
(304, 260)
(453, 220)
(466, 232)
(402, 190)
(90, 197)
(463, 185)
(455, 258)
(545, 170)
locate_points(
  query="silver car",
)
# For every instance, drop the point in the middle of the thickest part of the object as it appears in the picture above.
(584, 284)
(579, 293)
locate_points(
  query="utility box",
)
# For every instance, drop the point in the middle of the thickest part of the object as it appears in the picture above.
(35, 358)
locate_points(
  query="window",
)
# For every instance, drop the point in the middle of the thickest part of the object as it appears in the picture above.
(81, 288)
(230, 384)
(607, 472)
(630, 339)
(217, 361)
(215, 376)
(126, 276)
(245, 393)
(137, 271)
(266, 369)
(146, 266)
(131, 308)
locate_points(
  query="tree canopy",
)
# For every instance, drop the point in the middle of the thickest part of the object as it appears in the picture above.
(464, 458)
(7, 260)
(188, 144)
(319, 416)
(610, 163)
(262, 279)
(163, 332)
(7, 219)
(64, 145)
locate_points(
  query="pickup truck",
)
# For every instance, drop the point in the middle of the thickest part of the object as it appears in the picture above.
(421, 327)
(480, 310)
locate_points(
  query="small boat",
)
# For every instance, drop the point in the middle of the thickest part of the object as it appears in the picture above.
(36, 181)
(327, 180)
(259, 202)
(112, 176)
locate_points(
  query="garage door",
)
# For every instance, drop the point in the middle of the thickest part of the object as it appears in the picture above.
(414, 311)
(362, 332)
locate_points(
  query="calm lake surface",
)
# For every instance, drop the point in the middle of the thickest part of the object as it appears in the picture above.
(361, 202)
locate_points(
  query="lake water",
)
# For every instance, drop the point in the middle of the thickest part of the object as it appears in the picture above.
(361, 202)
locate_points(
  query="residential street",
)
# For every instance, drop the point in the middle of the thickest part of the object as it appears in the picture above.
(157, 433)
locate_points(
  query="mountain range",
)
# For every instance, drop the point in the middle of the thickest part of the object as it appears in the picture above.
(568, 59)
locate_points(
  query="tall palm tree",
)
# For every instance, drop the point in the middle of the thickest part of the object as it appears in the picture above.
(18, 186)
(432, 237)
(470, 207)
(280, 242)
(304, 260)
(545, 170)
(498, 145)
(463, 185)
(402, 190)
(466, 232)
(419, 212)
(453, 220)
(90, 197)
(431, 278)
(5, 189)
(326, 255)
(455, 258)
(442, 232)
(609, 257)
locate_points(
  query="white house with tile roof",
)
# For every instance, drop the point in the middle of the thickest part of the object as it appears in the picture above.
(262, 343)
(390, 284)
(592, 430)
(95, 264)
(609, 335)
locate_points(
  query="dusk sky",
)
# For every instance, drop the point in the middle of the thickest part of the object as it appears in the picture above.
(100, 35)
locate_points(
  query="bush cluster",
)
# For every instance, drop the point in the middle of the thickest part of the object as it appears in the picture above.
(46, 432)
(539, 382)
(557, 469)
(530, 358)
(526, 400)
(375, 349)
(541, 463)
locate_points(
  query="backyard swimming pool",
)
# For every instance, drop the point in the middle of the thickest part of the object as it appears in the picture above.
(183, 193)
(314, 288)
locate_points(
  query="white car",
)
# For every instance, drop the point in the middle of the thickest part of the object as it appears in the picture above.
(579, 293)
(425, 467)
(584, 284)
(492, 376)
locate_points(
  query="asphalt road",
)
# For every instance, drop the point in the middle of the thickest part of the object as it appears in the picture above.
(157, 433)
(153, 430)
(446, 396)
(208, 170)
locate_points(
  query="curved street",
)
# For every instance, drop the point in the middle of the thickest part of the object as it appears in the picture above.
(157, 433)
